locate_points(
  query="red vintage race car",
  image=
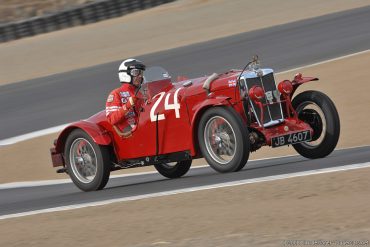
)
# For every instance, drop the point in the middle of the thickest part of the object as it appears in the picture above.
(221, 117)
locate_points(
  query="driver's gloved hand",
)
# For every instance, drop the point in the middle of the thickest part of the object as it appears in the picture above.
(132, 100)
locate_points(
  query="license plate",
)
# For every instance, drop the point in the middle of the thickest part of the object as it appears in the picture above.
(291, 138)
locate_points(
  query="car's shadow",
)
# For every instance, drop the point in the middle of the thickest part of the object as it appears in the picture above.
(195, 176)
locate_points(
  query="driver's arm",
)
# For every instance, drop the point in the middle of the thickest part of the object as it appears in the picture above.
(115, 110)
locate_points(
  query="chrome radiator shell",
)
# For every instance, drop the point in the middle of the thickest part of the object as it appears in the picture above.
(264, 78)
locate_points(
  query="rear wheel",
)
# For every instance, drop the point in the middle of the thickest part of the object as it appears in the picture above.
(88, 163)
(223, 139)
(317, 109)
(174, 169)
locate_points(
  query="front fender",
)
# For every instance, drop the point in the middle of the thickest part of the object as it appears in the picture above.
(217, 101)
(99, 135)
(299, 80)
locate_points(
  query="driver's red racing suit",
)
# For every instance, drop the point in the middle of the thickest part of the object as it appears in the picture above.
(118, 108)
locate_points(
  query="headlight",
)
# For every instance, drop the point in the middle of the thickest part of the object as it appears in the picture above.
(285, 87)
(256, 93)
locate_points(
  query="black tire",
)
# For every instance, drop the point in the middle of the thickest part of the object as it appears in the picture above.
(102, 160)
(175, 171)
(326, 140)
(237, 134)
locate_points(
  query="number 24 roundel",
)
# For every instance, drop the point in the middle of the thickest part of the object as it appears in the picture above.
(167, 106)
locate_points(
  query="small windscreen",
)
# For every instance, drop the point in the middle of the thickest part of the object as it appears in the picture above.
(155, 74)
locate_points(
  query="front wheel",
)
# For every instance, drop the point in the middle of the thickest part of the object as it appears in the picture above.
(174, 169)
(223, 139)
(88, 163)
(317, 109)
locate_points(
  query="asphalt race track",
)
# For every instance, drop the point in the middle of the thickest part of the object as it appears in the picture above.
(19, 200)
(50, 101)
(79, 94)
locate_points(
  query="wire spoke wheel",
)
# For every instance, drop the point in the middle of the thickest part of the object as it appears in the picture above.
(223, 139)
(83, 160)
(88, 163)
(219, 138)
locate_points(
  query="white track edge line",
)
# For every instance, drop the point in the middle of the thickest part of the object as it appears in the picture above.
(325, 61)
(193, 189)
(31, 135)
(24, 184)
(16, 139)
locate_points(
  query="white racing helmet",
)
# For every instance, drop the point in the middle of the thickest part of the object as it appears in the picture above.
(130, 68)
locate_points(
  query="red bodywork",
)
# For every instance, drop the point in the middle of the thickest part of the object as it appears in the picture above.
(177, 128)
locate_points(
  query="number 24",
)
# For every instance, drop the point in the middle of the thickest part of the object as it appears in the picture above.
(175, 106)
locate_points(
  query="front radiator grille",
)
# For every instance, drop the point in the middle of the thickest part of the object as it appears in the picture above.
(273, 111)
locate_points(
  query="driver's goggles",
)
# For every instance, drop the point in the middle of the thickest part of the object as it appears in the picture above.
(136, 72)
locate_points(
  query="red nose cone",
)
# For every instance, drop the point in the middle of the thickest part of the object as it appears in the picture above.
(285, 87)
(256, 93)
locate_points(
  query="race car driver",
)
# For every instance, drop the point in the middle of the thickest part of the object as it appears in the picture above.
(124, 102)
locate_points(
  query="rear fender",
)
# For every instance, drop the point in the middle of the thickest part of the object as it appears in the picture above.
(198, 110)
(99, 135)
(299, 80)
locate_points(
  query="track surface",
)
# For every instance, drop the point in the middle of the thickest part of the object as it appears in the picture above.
(50, 101)
(42, 197)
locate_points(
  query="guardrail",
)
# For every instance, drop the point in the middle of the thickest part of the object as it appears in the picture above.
(89, 13)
